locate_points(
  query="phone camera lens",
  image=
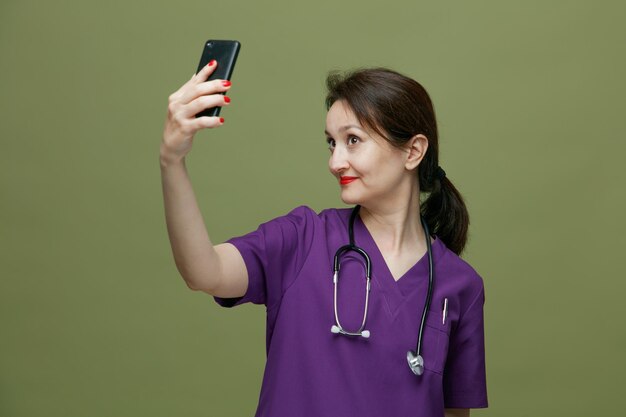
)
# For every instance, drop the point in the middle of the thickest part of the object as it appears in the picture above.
(209, 44)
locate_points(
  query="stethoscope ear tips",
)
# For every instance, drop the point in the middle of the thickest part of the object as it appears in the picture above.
(336, 329)
(416, 363)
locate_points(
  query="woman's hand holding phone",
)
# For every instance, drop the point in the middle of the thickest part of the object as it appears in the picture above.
(193, 97)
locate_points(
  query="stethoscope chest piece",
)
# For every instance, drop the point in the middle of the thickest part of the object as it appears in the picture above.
(416, 363)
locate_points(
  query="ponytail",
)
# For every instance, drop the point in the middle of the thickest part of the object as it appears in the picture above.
(444, 211)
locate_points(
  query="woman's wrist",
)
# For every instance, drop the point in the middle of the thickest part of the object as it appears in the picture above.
(168, 158)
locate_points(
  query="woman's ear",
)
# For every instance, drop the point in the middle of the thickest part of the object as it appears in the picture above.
(416, 149)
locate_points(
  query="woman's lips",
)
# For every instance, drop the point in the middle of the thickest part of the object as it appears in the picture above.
(346, 180)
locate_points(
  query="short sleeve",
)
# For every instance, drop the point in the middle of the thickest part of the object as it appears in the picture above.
(464, 380)
(274, 255)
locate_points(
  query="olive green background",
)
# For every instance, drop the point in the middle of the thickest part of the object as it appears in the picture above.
(95, 319)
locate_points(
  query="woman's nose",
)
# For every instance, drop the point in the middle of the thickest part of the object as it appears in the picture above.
(338, 162)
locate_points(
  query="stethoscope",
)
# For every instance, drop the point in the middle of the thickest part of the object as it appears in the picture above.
(414, 358)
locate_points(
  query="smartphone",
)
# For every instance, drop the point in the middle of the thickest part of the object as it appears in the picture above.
(225, 53)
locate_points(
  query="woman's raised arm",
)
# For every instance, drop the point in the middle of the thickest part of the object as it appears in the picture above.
(219, 269)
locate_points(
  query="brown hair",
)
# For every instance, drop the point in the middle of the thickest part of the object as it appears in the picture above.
(398, 108)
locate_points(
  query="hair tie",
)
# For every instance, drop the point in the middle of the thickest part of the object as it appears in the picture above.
(440, 173)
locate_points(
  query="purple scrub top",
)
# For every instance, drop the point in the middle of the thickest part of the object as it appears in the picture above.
(313, 372)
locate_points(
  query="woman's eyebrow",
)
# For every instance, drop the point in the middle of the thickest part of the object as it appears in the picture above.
(346, 127)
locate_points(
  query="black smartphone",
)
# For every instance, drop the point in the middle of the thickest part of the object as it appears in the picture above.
(225, 53)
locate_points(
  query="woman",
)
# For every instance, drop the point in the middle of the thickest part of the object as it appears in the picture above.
(351, 352)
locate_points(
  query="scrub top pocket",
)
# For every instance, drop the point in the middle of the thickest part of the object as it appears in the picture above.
(436, 339)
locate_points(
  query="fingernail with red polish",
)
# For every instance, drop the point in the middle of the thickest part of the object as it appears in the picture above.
(221, 120)
(226, 83)
(227, 99)
(211, 63)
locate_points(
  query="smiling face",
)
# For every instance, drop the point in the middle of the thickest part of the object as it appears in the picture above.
(382, 171)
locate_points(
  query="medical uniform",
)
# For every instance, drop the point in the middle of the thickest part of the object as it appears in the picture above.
(313, 372)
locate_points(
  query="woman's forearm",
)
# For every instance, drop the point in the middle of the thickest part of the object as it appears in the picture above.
(456, 412)
(194, 255)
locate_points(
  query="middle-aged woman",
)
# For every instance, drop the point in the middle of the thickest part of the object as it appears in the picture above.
(370, 309)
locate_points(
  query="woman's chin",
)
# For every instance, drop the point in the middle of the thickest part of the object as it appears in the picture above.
(349, 199)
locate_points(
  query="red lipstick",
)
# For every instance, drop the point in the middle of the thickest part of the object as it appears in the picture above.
(346, 180)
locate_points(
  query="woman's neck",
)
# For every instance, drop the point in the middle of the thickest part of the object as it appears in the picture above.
(395, 227)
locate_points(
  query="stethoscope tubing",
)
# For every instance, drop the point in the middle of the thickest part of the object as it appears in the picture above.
(366, 257)
(414, 358)
(429, 293)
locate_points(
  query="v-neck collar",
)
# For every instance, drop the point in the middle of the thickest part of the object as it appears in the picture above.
(416, 278)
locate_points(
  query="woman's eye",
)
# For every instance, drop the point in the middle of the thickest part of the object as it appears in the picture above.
(352, 140)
